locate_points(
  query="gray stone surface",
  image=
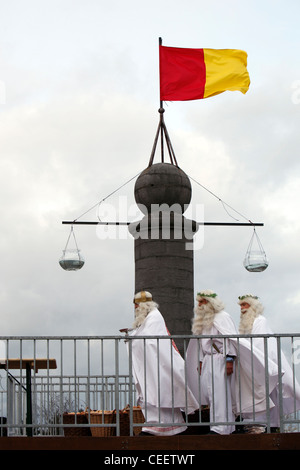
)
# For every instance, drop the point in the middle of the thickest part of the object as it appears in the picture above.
(163, 264)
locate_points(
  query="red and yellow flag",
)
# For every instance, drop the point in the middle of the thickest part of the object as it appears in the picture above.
(193, 74)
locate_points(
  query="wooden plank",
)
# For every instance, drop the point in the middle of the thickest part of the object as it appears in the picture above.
(284, 441)
(38, 363)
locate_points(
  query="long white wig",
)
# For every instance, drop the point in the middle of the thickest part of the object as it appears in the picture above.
(205, 314)
(248, 315)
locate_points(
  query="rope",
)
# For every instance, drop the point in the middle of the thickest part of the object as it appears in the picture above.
(102, 200)
(71, 233)
(223, 202)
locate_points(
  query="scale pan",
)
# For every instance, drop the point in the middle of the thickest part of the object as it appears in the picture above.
(71, 260)
(255, 262)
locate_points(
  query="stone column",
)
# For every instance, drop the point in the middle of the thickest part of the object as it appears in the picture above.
(164, 256)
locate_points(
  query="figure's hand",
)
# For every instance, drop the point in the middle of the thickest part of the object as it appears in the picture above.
(229, 367)
(199, 368)
(124, 330)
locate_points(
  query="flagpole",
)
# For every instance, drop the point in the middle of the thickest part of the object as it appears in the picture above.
(161, 111)
(160, 43)
(162, 129)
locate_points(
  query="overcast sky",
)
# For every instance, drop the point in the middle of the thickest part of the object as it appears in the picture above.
(79, 98)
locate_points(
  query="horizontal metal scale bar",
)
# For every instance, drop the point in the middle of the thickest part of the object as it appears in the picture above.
(75, 222)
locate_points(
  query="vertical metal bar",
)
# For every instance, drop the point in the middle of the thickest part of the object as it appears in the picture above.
(130, 387)
(238, 368)
(20, 397)
(61, 382)
(212, 380)
(158, 381)
(117, 386)
(172, 376)
(89, 375)
(102, 404)
(199, 378)
(29, 401)
(226, 377)
(294, 378)
(267, 387)
(252, 377)
(9, 395)
(23, 406)
(145, 380)
(48, 375)
(75, 379)
(185, 382)
(161, 138)
(280, 385)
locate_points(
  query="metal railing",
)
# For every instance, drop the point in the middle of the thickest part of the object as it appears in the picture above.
(44, 379)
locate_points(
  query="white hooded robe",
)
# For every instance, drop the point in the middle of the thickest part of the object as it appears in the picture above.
(250, 390)
(288, 383)
(159, 373)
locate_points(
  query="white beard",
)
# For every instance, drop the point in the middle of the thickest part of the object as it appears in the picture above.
(204, 318)
(246, 320)
(141, 313)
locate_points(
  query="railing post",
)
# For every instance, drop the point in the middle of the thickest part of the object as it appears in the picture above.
(28, 401)
(117, 387)
(129, 343)
(267, 383)
(280, 385)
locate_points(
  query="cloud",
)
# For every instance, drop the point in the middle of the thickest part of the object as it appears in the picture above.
(79, 120)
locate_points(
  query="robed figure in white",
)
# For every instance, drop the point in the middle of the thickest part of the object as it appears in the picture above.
(219, 369)
(210, 362)
(159, 371)
(253, 322)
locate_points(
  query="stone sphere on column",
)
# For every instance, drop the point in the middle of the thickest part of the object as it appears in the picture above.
(162, 183)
